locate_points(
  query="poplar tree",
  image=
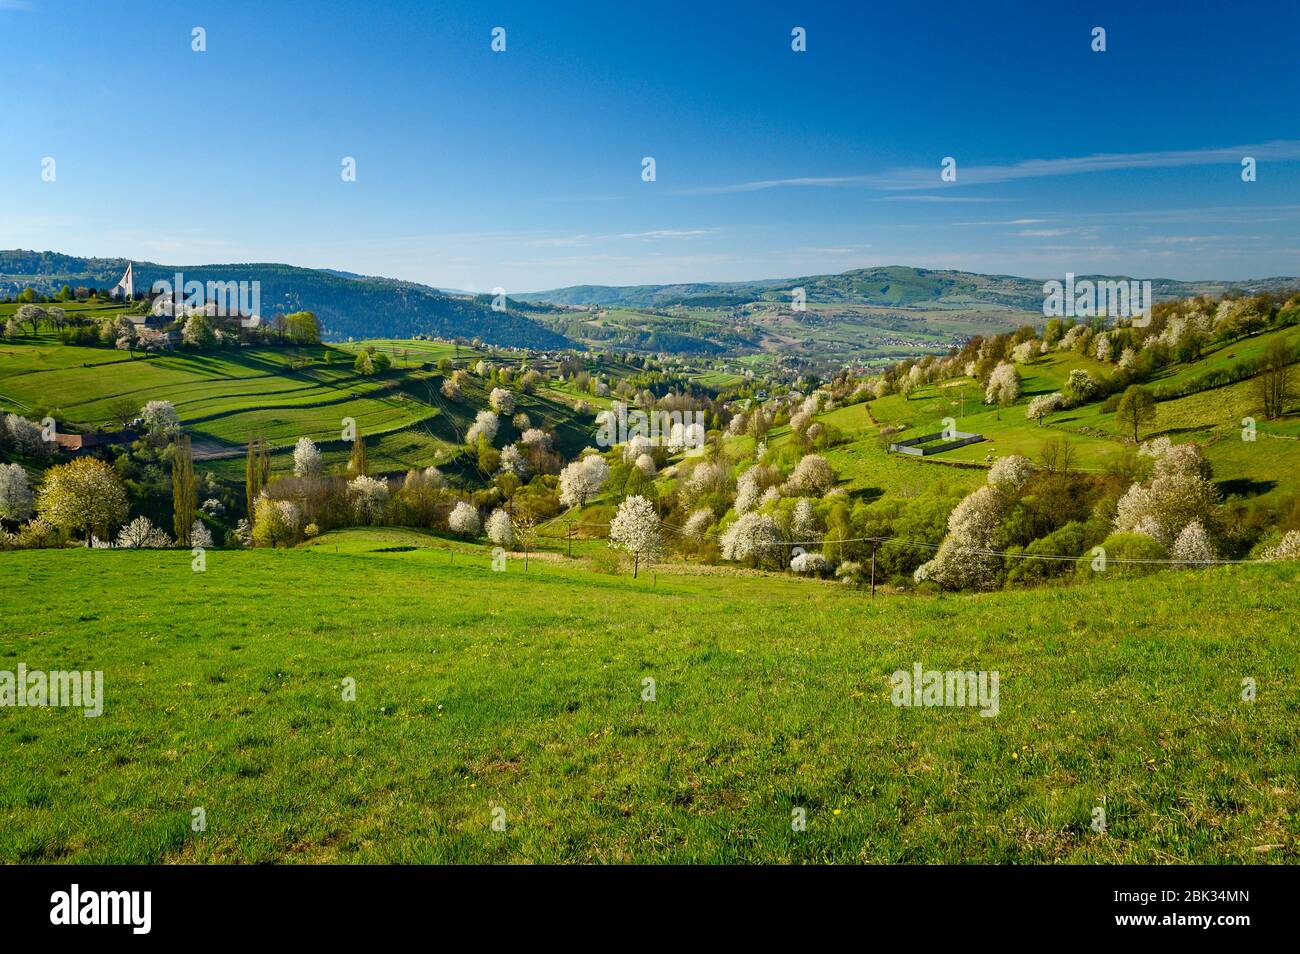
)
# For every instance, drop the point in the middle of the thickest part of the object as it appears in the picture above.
(257, 472)
(358, 466)
(185, 490)
(251, 473)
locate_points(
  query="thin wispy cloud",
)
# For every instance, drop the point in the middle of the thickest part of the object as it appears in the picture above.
(763, 184)
(1230, 214)
(927, 177)
(668, 234)
(585, 198)
(1002, 222)
(1201, 239)
(940, 198)
(1277, 150)
(832, 250)
(559, 241)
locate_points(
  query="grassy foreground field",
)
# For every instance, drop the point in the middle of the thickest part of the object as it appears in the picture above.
(478, 690)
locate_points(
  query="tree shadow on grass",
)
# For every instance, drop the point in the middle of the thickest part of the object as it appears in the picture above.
(1244, 487)
(865, 494)
(1177, 431)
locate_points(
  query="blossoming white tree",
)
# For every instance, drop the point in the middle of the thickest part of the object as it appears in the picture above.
(1288, 548)
(502, 401)
(369, 498)
(160, 418)
(810, 564)
(707, 477)
(964, 560)
(1102, 347)
(582, 480)
(536, 437)
(1043, 405)
(15, 493)
(812, 476)
(307, 461)
(500, 530)
(698, 522)
(485, 425)
(635, 529)
(1080, 388)
(464, 520)
(200, 535)
(1179, 493)
(755, 537)
(1193, 547)
(513, 461)
(748, 490)
(25, 436)
(1004, 385)
(140, 533)
(1025, 352)
(1010, 473)
(637, 445)
(803, 526)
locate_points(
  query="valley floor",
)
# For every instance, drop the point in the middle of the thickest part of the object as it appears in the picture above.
(519, 697)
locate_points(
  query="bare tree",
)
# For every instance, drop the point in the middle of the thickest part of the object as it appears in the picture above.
(1274, 384)
(1057, 456)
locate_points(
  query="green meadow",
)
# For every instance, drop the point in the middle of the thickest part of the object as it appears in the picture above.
(225, 397)
(524, 691)
(1268, 467)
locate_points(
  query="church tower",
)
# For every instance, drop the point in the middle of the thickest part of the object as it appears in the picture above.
(126, 287)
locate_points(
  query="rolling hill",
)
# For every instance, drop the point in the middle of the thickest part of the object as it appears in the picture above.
(894, 285)
(224, 398)
(870, 314)
(349, 306)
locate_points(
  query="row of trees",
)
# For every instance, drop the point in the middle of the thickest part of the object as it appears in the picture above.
(198, 331)
(1177, 331)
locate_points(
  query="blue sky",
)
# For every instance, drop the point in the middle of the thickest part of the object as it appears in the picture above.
(522, 169)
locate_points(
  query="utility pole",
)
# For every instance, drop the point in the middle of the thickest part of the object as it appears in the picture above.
(568, 534)
(873, 571)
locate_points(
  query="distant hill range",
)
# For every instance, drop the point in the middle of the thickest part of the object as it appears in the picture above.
(919, 302)
(348, 305)
(891, 286)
